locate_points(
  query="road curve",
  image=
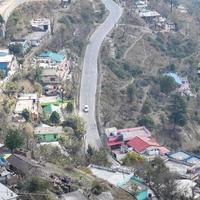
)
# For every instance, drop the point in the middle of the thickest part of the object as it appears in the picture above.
(90, 73)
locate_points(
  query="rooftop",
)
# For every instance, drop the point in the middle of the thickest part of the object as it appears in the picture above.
(5, 56)
(6, 193)
(177, 78)
(140, 144)
(48, 129)
(49, 72)
(129, 133)
(40, 21)
(51, 108)
(149, 13)
(57, 57)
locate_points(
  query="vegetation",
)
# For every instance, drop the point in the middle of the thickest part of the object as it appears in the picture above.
(132, 158)
(147, 121)
(77, 124)
(70, 107)
(11, 88)
(177, 108)
(37, 184)
(167, 84)
(158, 178)
(13, 139)
(55, 118)
(98, 157)
(1, 19)
(26, 114)
(16, 49)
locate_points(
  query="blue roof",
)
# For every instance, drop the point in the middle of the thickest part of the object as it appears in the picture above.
(3, 65)
(57, 57)
(175, 77)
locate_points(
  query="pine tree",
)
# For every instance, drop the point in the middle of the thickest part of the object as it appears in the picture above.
(178, 113)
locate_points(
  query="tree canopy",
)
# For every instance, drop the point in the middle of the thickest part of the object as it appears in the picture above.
(167, 84)
(26, 114)
(13, 139)
(146, 121)
(55, 118)
(178, 111)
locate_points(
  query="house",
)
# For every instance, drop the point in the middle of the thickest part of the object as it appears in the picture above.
(149, 15)
(51, 58)
(41, 24)
(146, 145)
(51, 90)
(45, 133)
(29, 102)
(23, 165)
(182, 9)
(122, 178)
(6, 193)
(35, 38)
(141, 5)
(8, 62)
(50, 77)
(136, 187)
(54, 60)
(65, 3)
(116, 138)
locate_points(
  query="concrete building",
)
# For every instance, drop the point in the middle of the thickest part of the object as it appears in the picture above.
(41, 24)
(50, 77)
(8, 62)
(45, 133)
(6, 193)
(29, 102)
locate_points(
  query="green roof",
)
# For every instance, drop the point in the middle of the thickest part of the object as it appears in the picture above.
(51, 108)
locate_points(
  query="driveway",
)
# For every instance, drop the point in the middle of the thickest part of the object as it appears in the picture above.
(90, 73)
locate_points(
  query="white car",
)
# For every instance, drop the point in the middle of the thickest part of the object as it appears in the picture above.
(86, 108)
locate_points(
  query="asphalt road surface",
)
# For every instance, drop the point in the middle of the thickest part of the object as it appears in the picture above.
(90, 73)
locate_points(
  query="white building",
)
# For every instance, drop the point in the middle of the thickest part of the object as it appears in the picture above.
(29, 102)
(8, 62)
(41, 24)
(6, 193)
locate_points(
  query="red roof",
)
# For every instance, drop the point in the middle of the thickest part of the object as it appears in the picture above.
(112, 141)
(141, 143)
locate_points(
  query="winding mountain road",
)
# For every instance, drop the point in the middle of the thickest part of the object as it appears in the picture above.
(90, 73)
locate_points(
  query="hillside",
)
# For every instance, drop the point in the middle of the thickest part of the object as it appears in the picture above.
(134, 60)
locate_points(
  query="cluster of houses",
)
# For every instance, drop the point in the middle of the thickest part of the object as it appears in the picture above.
(14, 167)
(154, 18)
(41, 29)
(37, 106)
(139, 140)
